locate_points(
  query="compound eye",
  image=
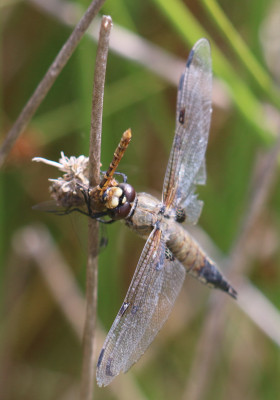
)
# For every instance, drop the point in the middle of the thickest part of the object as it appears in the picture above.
(120, 212)
(128, 191)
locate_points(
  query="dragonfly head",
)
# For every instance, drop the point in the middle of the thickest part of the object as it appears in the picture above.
(118, 200)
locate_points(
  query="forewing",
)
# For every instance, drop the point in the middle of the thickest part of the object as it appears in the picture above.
(149, 300)
(186, 166)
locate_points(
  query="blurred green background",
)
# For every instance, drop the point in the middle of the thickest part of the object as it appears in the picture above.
(40, 351)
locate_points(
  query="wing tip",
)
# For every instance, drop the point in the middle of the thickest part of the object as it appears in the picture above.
(201, 42)
(202, 46)
(104, 369)
(103, 379)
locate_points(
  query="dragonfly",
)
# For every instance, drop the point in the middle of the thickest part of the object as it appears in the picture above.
(170, 252)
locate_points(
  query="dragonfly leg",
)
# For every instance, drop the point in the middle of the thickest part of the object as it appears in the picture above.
(124, 177)
(91, 214)
(67, 211)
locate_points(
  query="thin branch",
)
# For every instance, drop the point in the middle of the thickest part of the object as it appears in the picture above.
(48, 80)
(94, 168)
(133, 47)
(123, 42)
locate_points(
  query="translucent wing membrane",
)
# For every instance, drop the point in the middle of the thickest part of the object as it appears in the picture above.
(192, 205)
(186, 166)
(149, 300)
(200, 178)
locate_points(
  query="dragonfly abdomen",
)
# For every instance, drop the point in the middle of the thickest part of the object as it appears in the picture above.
(197, 264)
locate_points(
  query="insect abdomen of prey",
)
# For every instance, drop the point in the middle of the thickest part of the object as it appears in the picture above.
(196, 262)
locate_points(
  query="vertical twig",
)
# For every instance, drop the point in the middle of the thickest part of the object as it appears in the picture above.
(48, 80)
(94, 168)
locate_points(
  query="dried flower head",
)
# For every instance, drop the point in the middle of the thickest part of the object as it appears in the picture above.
(68, 189)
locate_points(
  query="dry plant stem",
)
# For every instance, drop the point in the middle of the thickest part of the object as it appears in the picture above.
(132, 47)
(48, 80)
(214, 327)
(88, 367)
(123, 42)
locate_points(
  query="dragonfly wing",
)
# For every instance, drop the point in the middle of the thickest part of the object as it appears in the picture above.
(149, 300)
(192, 205)
(186, 165)
(200, 178)
(172, 281)
(49, 206)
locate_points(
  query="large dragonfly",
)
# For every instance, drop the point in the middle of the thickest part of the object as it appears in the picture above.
(170, 252)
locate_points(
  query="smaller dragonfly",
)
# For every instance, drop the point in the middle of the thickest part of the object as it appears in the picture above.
(170, 251)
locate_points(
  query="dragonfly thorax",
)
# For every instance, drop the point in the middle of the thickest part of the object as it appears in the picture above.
(147, 210)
